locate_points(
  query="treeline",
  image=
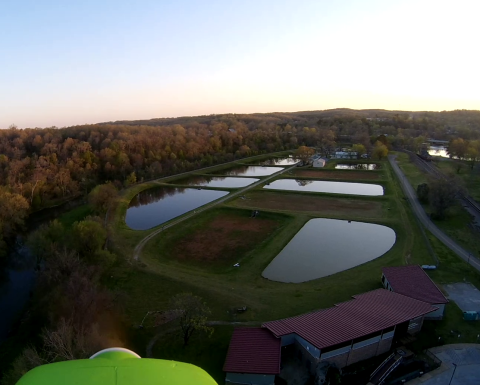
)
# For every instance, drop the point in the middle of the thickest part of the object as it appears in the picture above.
(39, 167)
(77, 316)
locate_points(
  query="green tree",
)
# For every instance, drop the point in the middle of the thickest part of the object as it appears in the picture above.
(380, 151)
(193, 314)
(442, 196)
(423, 192)
(102, 197)
(304, 153)
(88, 237)
(131, 179)
(359, 149)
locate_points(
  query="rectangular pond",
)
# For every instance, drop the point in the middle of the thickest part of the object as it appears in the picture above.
(327, 246)
(158, 205)
(326, 187)
(250, 171)
(358, 166)
(215, 181)
(280, 162)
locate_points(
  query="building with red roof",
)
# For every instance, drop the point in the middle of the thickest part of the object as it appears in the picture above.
(348, 332)
(412, 281)
(253, 357)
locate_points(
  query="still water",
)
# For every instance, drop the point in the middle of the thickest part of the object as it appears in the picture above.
(16, 283)
(357, 166)
(158, 205)
(280, 162)
(327, 246)
(216, 181)
(326, 187)
(250, 171)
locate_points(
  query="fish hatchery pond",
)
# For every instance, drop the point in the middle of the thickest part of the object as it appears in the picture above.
(250, 171)
(326, 187)
(357, 166)
(324, 247)
(158, 205)
(216, 181)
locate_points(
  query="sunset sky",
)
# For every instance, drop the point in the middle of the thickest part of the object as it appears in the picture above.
(75, 62)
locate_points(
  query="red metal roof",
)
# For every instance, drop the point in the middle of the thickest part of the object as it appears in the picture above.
(413, 282)
(253, 350)
(366, 313)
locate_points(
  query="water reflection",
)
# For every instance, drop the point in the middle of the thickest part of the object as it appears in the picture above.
(250, 171)
(280, 162)
(358, 166)
(215, 181)
(158, 205)
(326, 187)
(438, 151)
(327, 246)
(17, 281)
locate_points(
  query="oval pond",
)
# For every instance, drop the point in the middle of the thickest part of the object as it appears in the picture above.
(326, 187)
(158, 205)
(327, 246)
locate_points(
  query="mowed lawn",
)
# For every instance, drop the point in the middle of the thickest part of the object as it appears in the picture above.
(216, 241)
(197, 256)
(313, 203)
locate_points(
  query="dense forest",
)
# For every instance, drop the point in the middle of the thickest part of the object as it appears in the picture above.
(41, 167)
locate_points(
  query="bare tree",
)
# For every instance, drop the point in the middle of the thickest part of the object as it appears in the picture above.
(193, 313)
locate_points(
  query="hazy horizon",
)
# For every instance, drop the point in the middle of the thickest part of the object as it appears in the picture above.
(83, 63)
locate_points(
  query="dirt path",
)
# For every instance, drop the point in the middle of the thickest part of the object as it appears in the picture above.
(138, 249)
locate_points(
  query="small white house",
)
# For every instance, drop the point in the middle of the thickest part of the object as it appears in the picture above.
(319, 162)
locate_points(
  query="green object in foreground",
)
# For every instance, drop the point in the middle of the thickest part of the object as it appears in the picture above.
(117, 366)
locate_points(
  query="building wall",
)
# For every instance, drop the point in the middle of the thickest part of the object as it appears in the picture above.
(384, 345)
(250, 379)
(415, 325)
(437, 314)
(339, 360)
(288, 339)
(362, 353)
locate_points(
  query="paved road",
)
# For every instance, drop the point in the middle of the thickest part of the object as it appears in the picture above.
(143, 242)
(425, 220)
(466, 357)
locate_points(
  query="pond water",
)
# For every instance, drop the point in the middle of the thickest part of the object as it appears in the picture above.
(357, 166)
(327, 246)
(326, 187)
(216, 181)
(438, 151)
(280, 162)
(158, 205)
(16, 282)
(250, 171)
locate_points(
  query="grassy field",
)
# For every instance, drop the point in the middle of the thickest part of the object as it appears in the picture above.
(470, 177)
(179, 260)
(457, 223)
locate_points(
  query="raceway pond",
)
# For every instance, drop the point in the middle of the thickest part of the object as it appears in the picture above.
(327, 246)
